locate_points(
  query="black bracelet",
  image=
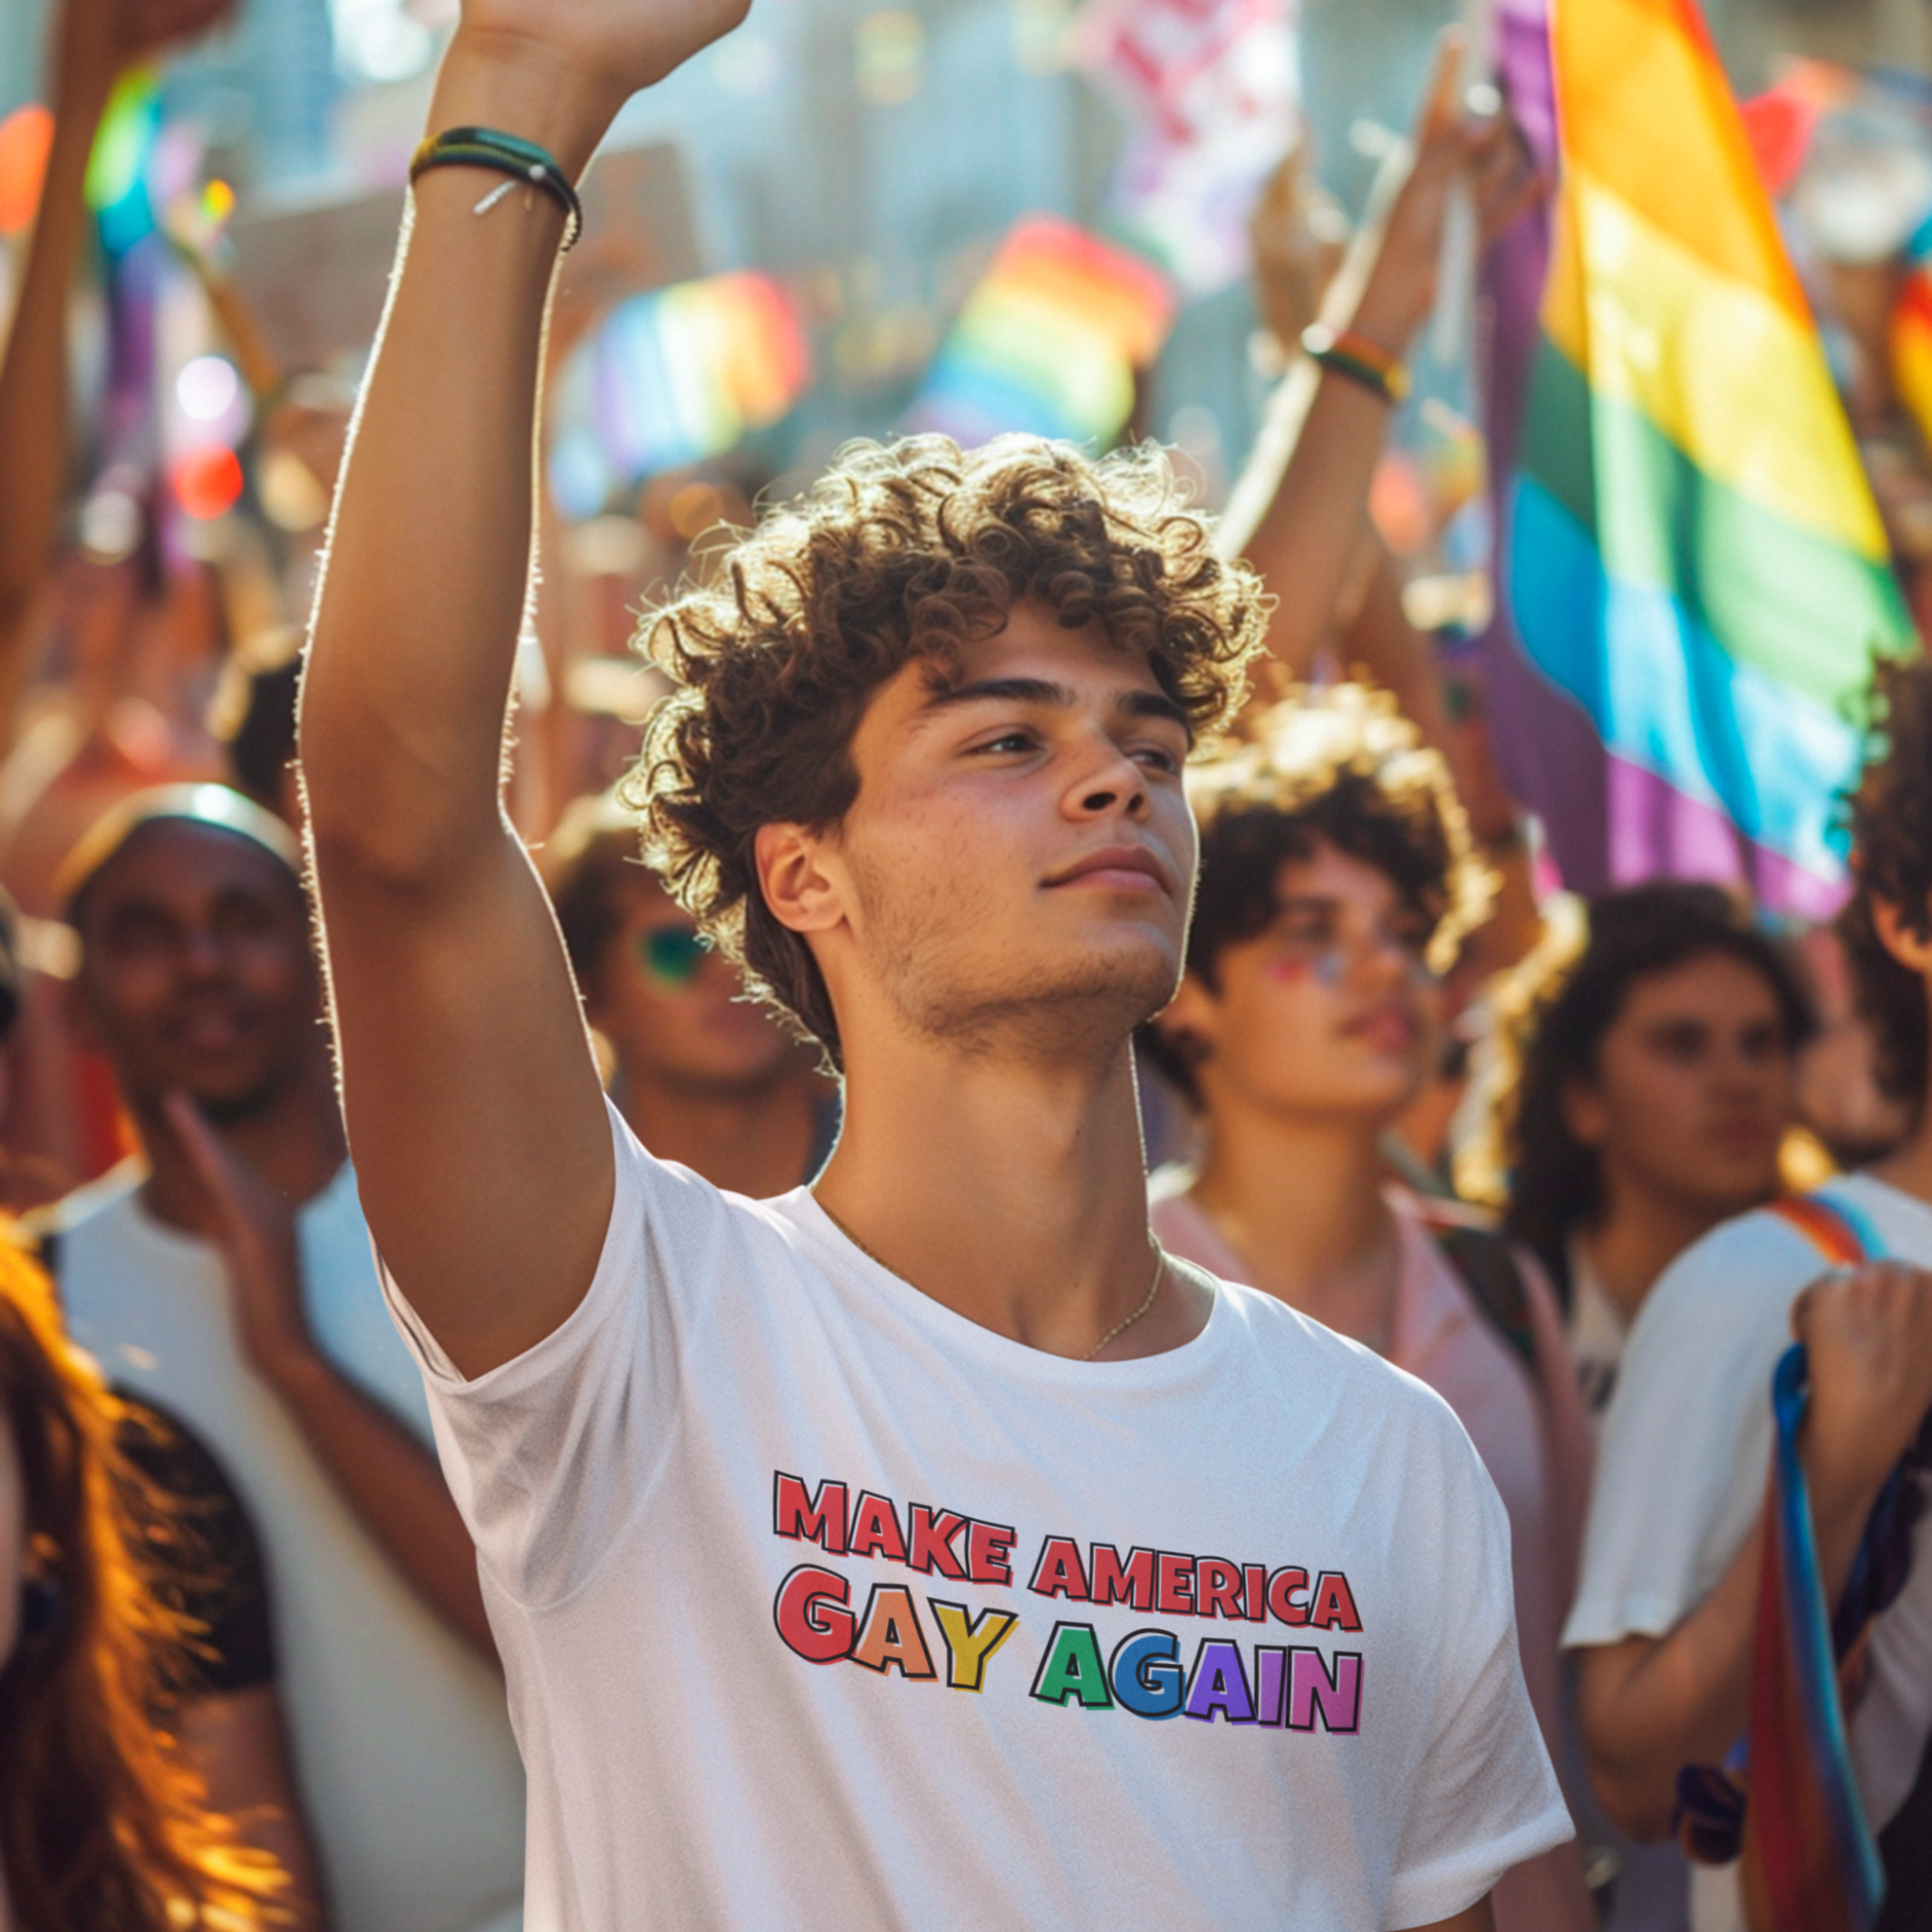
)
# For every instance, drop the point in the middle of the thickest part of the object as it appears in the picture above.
(505, 154)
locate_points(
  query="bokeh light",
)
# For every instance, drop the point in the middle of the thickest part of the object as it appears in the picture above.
(26, 135)
(207, 388)
(208, 484)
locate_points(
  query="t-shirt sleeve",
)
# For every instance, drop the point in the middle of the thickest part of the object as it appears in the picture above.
(201, 1556)
(548, 1455)
(1686, 1447)
(1483, 1796)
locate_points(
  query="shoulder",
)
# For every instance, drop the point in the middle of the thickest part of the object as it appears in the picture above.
(1317, 1371)
(97, 1204)
(1741, 1277)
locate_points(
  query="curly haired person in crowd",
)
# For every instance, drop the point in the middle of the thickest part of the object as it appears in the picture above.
(846, 1549)
(1336, 880)
(102, 1823)
(1665, 1612)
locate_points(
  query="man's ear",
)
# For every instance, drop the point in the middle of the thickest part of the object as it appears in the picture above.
(1911, 949)
(802, 890)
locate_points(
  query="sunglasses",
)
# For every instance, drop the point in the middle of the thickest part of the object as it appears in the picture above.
(672, 954)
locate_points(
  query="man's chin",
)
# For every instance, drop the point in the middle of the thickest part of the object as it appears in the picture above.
(230, 1103)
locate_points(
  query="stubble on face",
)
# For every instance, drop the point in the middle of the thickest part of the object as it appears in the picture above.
(948, 979)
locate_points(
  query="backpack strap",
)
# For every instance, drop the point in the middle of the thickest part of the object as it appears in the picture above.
(1828, 1227)
(1489, 1270)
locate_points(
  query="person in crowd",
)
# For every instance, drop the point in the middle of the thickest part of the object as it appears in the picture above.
(103, 1821)
(225, 1279)
(702, 1074)
(1337, 880)
(1656, 1088)
(823, 1535)
(1665, 1612)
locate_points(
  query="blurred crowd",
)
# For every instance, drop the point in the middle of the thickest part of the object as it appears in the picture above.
(1499, 1134)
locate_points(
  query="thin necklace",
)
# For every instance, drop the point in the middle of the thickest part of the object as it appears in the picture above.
(1113, 1334)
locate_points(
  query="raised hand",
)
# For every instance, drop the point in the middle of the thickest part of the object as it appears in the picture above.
(556, 72)
(254, 1227)
(1867, 1336)
(1454, 143)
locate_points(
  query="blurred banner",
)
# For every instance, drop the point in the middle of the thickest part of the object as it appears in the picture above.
(1212, 89)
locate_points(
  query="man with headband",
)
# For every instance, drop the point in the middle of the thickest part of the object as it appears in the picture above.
(224, 1278)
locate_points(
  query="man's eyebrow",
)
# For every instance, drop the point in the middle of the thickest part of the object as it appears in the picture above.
(1043, 691)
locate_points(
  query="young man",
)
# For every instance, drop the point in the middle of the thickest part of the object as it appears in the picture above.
(225, 1280)
(701, 1075)
(1656, 1090)
(1336, 879)
(1665, 1612)
(841, 1547)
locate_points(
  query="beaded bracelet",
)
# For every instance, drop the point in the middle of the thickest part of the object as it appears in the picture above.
(523, 161)
(1359, 359)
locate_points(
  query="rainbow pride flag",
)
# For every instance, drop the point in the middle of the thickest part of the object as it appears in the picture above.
(671, 378)
(1693, 554)
(1050, 341)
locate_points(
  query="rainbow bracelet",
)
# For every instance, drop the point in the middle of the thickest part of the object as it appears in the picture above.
(1359, 359)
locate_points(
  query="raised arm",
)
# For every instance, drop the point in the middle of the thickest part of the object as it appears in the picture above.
(471, 1095)
(92, 41)
(1298, 511)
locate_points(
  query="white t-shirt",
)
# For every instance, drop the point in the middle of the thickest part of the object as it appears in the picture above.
(404, 1758)
(805, 1590)
(1686, 1454)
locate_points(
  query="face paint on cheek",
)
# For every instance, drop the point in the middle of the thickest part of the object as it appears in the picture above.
(1324, 968)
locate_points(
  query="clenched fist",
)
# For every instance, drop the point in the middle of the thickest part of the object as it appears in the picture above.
(1867, 1336)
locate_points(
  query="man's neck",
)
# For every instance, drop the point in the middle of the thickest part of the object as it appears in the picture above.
(1908, 1166)
(1300, 1200)
(752, 1141)
(1011, 1190)
(294, 1140)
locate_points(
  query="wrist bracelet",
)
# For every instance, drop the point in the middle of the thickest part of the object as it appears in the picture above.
(1357, 358)
(505, 154)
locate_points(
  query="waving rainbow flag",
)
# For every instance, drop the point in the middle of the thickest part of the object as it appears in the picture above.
(1693, 555)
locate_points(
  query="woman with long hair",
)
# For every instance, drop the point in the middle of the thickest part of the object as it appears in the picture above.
(102, 1828)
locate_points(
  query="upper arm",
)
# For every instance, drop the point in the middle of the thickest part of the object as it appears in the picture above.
(475, 1113)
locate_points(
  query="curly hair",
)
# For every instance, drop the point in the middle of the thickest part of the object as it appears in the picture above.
(1556, 1183)
(1339, 766)
(1890, 817)
(102, 1823)
(903, 552)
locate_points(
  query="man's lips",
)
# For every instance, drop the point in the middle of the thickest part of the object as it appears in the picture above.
(1120, 868)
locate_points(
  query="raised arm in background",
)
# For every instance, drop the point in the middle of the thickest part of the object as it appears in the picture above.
(93, 42)
(1299, 509)
(473, 1103)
